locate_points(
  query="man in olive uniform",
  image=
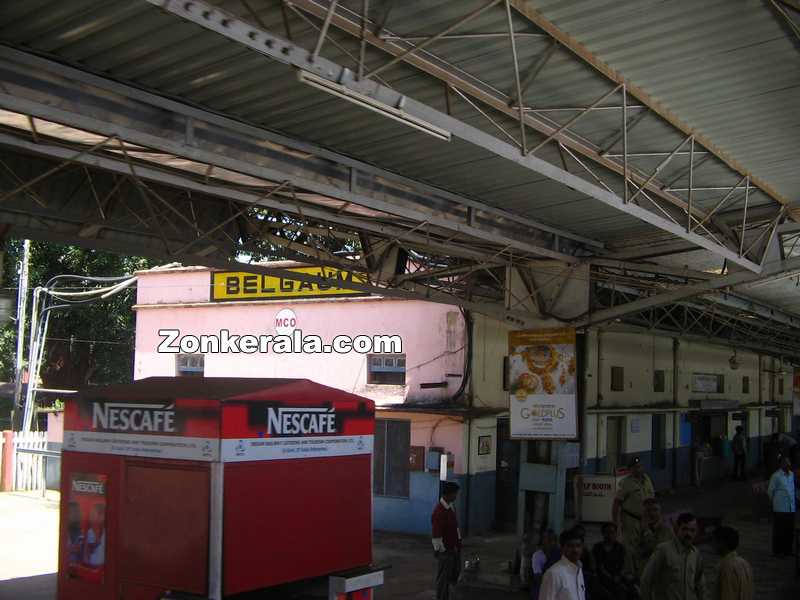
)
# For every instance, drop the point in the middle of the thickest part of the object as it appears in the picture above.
(675, 571)
(654, 531)
(629, 505)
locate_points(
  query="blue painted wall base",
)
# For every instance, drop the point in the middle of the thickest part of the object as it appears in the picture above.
(413, 514)
(676, 470)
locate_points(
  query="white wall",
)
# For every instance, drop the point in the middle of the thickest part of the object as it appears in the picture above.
(702, 358)
(639, 356)
(642, 354)
(490, 345)
(638, 433)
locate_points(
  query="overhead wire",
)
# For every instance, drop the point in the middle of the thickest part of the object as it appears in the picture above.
(47, 299)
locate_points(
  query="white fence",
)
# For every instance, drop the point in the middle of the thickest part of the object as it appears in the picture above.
(29, 467)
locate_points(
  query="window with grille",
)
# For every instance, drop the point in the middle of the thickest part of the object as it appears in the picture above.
(386, 369)
(189, 365)
(617, 379)
(390, 463)
(659, 380)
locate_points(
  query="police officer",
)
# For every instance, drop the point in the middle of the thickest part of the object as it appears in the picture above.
(629, 505)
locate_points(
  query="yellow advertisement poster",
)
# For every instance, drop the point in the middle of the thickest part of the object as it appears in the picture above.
(542, 375)
(238, 285)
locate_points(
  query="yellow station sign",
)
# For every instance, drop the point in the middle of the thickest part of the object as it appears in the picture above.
(239, 285)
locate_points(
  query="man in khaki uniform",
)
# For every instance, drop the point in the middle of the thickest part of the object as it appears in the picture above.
(734, 574)
(653, 531)
(675, 571)
(629, 505)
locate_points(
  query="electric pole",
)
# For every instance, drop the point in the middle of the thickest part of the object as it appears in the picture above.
(22, 300)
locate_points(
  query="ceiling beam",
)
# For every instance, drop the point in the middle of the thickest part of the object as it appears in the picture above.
(515, 318)
(526, 9)
(500, 102)
(268, 44)
(756, 307)
(654, 268)
(62, 226)
(89, 109)
(687, 291)
(704, 339)
(773, 321)
(652, 250)
(477, 89)
(785, 228)
(215, 189)
(505, 104)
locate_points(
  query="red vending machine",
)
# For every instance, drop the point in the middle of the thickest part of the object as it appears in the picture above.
(214, 487)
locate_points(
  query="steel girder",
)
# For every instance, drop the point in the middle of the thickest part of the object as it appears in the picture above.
(705, 319)
(122, 204)
(272, 46)
(685, 291)
(464, 84)
(527, 10)
(40, 88)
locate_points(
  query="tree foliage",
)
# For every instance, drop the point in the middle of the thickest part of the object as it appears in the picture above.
(87, 343)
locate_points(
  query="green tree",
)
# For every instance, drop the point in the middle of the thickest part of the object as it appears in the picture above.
(86, 343)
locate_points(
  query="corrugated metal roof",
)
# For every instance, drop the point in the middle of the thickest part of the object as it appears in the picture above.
(136, 42)
(728, 69)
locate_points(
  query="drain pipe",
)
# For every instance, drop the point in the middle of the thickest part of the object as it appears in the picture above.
(467, 379)
(676, 415)
(599, 400)
(468, 494)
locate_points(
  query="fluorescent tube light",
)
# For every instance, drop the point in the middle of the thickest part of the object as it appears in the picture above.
(381, 108)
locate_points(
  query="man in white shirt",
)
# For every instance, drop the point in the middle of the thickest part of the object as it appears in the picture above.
(783, 494)
(544, 558)
(564, 580)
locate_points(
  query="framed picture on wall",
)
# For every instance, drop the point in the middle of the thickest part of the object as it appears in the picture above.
(484, 444)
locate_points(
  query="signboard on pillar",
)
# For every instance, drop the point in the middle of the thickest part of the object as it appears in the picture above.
(543, 400)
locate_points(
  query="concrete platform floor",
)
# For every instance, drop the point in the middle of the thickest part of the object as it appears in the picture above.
(27, 566)
(28, 545)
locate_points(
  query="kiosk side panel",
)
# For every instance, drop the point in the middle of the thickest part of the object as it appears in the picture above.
(164, 528)
(287, 520)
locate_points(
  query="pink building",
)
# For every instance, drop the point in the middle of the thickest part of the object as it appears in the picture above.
(413, 386)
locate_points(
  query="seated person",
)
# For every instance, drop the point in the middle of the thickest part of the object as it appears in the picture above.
(611, 581)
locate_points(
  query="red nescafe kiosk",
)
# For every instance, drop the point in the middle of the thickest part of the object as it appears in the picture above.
(214, 487)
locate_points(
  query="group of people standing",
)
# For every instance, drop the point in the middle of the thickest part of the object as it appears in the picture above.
(653, 561)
